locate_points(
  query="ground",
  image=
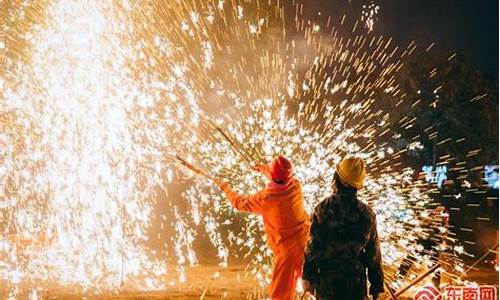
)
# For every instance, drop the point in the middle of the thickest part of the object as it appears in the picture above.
(212, 282)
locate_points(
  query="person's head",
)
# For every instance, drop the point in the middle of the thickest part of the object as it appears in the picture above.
(280, 169)
(350, 175)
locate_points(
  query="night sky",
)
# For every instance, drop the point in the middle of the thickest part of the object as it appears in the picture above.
(469, 27)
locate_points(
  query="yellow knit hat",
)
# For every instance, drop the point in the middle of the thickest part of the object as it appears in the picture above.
(352, 172)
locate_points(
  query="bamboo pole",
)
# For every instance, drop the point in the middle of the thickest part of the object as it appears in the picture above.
(249, 157)
(304, 295)
(393, 297)
(195, 169)
(237, 149)
(478, 261)
(417, 280)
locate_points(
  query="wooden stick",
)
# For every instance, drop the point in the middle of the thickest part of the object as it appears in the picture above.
(304, 294)
(233, 145)
(417, 280)
(240, 150)
(393, 297)
(195, 169)
(478, 261)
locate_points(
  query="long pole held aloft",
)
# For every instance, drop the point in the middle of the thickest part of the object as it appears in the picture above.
(195, 169)
(233, 145)
(236, 148)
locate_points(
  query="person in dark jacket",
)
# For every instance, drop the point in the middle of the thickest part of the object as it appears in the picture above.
(343, 245)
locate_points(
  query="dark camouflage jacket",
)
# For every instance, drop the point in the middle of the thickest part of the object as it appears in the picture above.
(344, 244)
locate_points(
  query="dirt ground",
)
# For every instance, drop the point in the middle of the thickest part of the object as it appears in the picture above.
(212, 282)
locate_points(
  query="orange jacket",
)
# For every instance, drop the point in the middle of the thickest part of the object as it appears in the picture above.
(282, 207)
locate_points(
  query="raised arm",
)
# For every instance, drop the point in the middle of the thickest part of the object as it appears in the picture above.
(255, 203)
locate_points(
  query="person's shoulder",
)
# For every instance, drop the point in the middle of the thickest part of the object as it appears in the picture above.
(366, 209)
(293, 185)
(295, 182)
(323, 205)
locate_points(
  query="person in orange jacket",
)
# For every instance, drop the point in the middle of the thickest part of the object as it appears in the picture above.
(286, 223)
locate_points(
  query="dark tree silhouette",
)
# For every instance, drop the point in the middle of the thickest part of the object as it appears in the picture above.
(456, 109)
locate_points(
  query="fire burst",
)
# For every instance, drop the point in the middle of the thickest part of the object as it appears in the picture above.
(75, 177)
(96, 101)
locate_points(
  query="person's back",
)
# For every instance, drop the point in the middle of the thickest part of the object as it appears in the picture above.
(343, 246)
(281, 205)
(285, 219)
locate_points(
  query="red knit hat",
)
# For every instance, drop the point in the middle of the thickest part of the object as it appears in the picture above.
(280, 169)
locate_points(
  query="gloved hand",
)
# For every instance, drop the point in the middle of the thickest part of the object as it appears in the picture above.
(222, 185)
(264, 169)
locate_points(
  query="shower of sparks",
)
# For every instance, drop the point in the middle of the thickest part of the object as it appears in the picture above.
(75, 175)
(369, 15)
(96, 101)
